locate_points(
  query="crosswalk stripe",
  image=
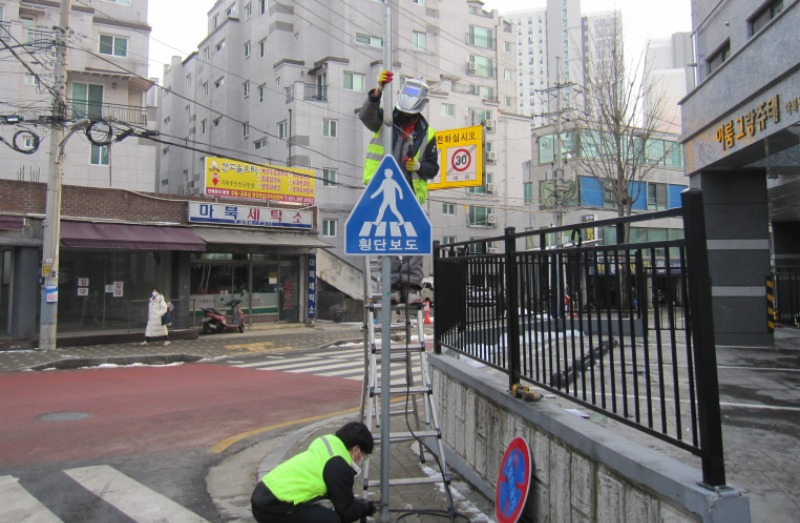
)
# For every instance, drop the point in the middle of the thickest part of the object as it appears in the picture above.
(135, 500)
(17, 505)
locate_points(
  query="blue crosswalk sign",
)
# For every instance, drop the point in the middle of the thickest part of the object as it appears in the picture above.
(388, 219)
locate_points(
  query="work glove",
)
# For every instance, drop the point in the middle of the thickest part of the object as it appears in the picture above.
(412, 165)
(369, 507)
(384, 77)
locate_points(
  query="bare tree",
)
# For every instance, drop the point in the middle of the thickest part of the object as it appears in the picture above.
(616, 149)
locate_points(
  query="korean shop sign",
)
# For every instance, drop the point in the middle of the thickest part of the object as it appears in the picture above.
(248, 215)
(235, 179)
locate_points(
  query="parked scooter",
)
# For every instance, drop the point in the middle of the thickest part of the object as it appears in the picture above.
(216, 321)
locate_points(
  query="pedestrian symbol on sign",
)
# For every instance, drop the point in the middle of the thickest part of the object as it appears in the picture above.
(403, 230)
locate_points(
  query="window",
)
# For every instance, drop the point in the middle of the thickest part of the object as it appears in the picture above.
(283, 130)
(87, 101)
(248, 11)
(114, 46)
(219, 82)
(507, 47)
(247, 50)
(719, 57)
(215, 21)
(188, 80)
(418, 41)
(656, 196)
(187, 111)
(420, 2)
(767, 13)
(478, 215)
(329, 228)
(448, 110)
(329, 128)
(354, 82)
(220, 46)
(99, 155)
(120, 2)
(205, 88)
(230, 11)
(262, 6)
(206, 54)
(262, 93)
(481, 37)
(262, 48)
(528, 191)
(246, 130)
(217, 121)
(203, 126)
(484, 67)
(449, 209)
(32, 80)
(448, 240)
(329, 178)
(246, 89)
(374, 41)
(260, 144)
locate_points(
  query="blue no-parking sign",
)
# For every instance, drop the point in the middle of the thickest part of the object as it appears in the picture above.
(514, 482)
(388, 219)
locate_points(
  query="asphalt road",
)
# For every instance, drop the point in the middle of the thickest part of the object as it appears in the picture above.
(70, 439)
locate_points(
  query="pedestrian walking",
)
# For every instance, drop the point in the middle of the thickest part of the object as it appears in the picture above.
(414, 148)
(156, 309)
(316, 486)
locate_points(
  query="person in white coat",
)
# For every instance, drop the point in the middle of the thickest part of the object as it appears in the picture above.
(156, 308)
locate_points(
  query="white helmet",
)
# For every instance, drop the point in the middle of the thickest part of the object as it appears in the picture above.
(413, 97)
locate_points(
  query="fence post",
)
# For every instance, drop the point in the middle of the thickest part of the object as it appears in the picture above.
(702, 325)
(512, 307)
(437, 342)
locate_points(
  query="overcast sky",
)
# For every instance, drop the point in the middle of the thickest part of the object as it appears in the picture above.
(179, 25)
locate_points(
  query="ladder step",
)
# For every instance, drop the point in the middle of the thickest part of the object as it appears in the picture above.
(401, 389)
(397, 437)
(398, 348)
(409, 481)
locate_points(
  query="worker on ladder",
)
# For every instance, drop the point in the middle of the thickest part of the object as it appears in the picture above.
(414, 148)
(316, 486)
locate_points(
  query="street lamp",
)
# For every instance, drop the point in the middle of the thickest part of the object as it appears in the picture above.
(48, 317)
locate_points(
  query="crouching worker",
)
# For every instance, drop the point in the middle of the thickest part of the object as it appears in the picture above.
(301, 489)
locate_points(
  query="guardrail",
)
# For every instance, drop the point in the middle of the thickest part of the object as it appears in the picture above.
(787, 298)
(625, 330)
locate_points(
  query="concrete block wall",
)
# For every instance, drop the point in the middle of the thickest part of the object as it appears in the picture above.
(582, 472)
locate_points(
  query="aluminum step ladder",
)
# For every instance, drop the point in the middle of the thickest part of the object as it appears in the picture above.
(409, 386)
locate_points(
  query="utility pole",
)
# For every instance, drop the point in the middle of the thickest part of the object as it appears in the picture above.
(386, 288)
(48, 317)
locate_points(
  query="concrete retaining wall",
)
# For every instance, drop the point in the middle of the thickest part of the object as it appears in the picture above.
(583, 472)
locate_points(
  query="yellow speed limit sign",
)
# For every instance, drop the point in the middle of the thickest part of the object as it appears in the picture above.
(460, 158)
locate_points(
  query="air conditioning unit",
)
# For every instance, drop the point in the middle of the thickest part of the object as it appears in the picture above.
(491, 219)
(489, 124)
(491, 156)
(490, 188)
(472, 67)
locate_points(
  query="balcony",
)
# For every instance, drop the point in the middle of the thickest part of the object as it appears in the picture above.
(77, 109)
(311, 92)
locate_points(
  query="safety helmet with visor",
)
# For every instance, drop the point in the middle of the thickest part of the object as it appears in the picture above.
(413, 97)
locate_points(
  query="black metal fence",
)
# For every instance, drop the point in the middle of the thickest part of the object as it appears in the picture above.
(624, 329)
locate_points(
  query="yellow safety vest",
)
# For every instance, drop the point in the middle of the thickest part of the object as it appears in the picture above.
(300, 478)
(376, 152)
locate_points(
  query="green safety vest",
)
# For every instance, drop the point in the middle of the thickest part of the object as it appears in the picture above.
(299, 479)
(376, 152)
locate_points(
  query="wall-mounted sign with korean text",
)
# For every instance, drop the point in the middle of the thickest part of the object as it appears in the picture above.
(237, 179)
(248, 215)
(750, 123)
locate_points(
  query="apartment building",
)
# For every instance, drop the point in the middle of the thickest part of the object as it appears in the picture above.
(281, 84)
(106, 80)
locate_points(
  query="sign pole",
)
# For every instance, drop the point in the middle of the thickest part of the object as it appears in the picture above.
(386, 286)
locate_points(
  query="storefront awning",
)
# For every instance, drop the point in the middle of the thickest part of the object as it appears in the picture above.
(128, 236)
(267, 238)
(13, 223)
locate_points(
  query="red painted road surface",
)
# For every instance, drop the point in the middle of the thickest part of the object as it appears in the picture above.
(147, 409)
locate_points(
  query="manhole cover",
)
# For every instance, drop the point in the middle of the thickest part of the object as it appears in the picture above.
(63, 416)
